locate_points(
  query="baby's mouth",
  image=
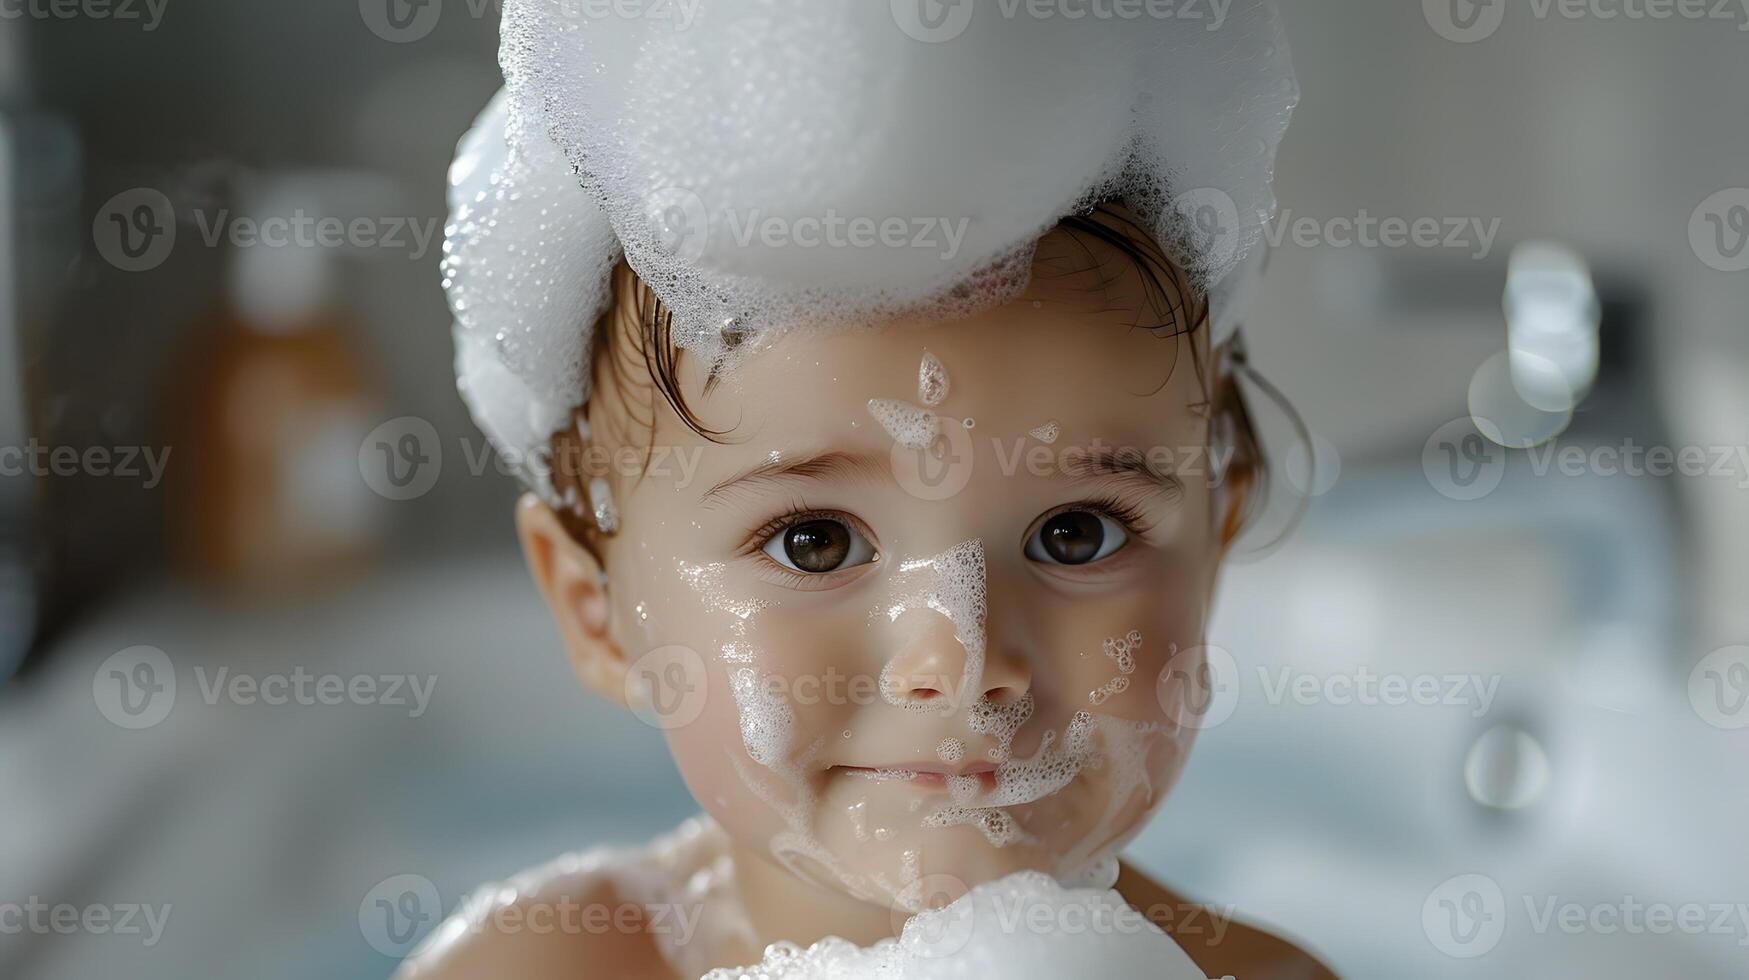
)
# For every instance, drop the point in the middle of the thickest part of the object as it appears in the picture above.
(928, 776)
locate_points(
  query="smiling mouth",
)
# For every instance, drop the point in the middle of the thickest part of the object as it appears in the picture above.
(934, 777)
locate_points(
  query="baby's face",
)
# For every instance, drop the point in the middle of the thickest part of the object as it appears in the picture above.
(964, 659)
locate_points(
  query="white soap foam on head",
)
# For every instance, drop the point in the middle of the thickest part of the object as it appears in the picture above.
(1020, 927)
(680, 148)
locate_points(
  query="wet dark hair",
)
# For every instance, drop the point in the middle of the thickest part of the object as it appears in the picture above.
(634, 349)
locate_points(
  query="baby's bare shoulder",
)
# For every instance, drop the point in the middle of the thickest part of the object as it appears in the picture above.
(1220, 945)
(559, 927)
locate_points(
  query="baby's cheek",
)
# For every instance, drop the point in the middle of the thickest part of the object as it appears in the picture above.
(1106, 655)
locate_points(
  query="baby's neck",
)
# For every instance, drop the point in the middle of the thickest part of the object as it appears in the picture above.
(781, 906)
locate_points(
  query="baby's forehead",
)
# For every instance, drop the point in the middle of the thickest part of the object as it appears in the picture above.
(1002, 367)
(1045, 386)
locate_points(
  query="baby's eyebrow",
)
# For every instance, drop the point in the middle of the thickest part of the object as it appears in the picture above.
(1123, 464)
(826, 467)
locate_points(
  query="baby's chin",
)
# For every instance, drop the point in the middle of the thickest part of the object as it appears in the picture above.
(924, 867)
(912, 846)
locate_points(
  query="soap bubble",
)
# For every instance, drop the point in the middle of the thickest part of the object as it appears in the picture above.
(1504, 415)
(1506, 769)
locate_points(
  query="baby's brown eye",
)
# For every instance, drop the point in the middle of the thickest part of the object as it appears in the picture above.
(1075, 537)
(819, 545)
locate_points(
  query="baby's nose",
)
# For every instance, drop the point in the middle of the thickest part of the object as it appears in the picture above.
(934, 668)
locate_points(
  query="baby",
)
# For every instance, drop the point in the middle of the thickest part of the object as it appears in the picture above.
(913, 554)
(927, 612)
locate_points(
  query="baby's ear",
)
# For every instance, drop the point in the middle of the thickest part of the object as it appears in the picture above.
(1233, 497)
(569, 578)
(1234, 444)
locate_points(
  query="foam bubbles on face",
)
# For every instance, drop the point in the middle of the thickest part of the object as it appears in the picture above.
(1046, 433)
(950, 750)
(767, 721)
(1000, 721)
(959, 593)
(1121, 650)
(932, 380)
(909, 426)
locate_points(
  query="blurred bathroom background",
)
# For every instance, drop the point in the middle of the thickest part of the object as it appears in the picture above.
(1575, 190)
